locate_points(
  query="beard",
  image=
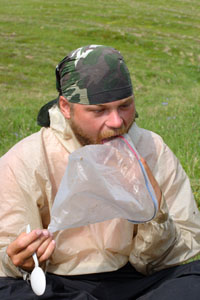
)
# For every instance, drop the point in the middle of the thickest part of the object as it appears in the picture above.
(84, 139)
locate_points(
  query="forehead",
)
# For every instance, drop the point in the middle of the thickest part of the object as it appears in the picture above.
(112, 104)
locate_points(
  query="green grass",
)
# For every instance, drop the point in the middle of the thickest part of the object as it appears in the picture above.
(159, 40)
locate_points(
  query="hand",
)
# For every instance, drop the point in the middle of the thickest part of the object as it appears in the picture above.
(21, 250)
(153, 181)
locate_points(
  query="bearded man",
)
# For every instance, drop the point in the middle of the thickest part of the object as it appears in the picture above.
(115, 259)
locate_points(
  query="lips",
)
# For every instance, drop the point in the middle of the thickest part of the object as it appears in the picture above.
(108, 139)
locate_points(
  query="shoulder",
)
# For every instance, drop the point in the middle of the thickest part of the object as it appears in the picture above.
(153, 149)
(41, 152)
(147, 142)
(28, 150)
(20, 148)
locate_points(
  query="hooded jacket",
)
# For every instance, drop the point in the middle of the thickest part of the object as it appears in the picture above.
(30, 174)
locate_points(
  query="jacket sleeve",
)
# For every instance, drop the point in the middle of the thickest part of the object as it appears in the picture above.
(19, 207)
(174, 235)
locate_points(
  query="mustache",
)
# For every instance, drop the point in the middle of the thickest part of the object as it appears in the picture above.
(112, 133)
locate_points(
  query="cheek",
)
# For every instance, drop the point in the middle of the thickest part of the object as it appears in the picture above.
(95, 126)
(128, 116)
(92, 126)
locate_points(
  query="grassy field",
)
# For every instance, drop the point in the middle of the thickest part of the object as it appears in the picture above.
(160, 42)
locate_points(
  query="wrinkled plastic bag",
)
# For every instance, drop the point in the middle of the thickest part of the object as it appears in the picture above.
(103, 182)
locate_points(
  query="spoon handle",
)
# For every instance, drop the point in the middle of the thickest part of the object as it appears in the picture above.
(28, 230)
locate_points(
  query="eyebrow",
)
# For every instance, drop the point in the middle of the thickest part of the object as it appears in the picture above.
(103, 105)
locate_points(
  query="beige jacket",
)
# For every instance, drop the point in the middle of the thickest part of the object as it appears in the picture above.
(30, 174)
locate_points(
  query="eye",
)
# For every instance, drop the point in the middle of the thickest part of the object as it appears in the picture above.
(125, 105)
(98, 111)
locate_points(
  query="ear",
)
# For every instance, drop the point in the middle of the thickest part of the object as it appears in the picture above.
(64, 107)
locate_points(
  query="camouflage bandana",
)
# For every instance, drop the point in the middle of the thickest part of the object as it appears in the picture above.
(93, 74)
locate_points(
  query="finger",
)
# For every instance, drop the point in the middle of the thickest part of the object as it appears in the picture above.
(22, 241)
(19, 260)
(41, 249)
(46, 249)
(28, 264)
(20, 251)
(152, 180)
(48, 252)
(25, 254)
(33, 247)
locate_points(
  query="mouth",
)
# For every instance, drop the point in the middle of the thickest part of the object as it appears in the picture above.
(109, 139)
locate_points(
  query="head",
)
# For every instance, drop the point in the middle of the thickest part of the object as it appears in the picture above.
(95, 93)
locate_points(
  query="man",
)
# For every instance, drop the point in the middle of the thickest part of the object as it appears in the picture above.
(114, 259)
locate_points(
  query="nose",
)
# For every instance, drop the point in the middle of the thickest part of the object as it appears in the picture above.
(114, 120)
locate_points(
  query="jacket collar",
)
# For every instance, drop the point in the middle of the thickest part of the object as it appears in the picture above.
(62, 130)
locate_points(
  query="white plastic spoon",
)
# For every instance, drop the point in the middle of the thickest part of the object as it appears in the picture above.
(38, 279)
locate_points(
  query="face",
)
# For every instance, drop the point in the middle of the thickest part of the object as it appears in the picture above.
(94, 124)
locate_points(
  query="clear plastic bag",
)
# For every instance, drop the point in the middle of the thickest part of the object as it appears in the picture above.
(103, 182)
